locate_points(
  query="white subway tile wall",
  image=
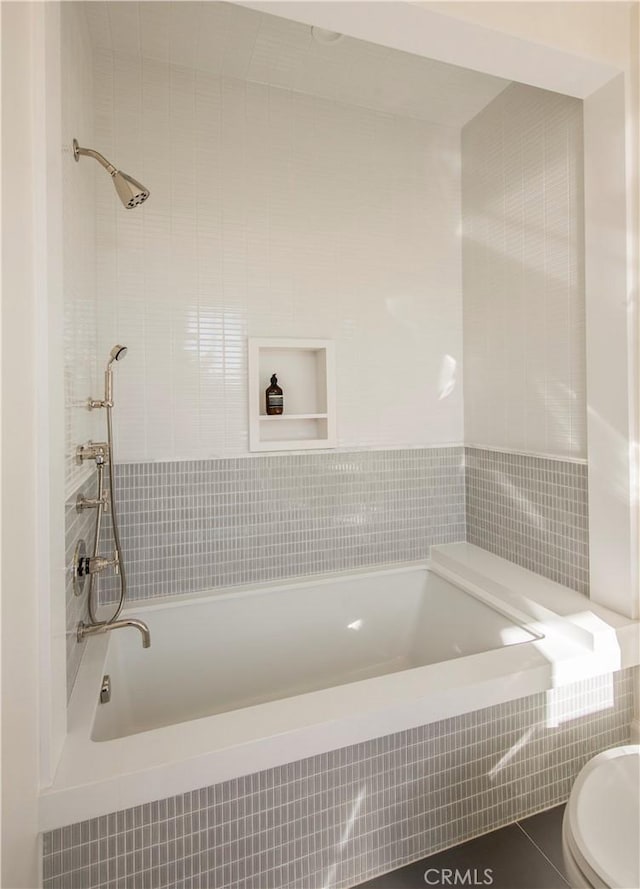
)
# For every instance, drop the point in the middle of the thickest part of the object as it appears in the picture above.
(531, 510)
(79, 250)
(338, 819)
(228, 40)
(196, 525)
(523, 274)
(273, 213)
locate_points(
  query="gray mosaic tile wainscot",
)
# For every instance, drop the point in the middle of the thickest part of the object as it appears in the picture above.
(337, 819)
(198, 525)
(77, 525)
(532, 511)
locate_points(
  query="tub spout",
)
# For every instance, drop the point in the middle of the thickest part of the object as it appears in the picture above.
(97, 629)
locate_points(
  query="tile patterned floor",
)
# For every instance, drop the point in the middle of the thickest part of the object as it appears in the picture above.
(526, 855)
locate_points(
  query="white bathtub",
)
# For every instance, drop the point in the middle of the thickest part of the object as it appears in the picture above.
(247, 679)
(240, 649)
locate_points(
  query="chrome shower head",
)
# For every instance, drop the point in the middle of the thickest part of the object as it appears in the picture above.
(117, 353)
(131, 192)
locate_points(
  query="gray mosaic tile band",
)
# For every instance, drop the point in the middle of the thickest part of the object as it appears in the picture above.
(340, 818)
(197, 525)
(532, 511)
(77, 525)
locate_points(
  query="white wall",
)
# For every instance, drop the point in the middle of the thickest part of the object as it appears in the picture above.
(273, 214)
(79, 254)
(21, 66)
(593, 30)
(523, 274)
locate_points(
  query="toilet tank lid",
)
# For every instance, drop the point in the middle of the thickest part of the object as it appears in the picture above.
(604, 813)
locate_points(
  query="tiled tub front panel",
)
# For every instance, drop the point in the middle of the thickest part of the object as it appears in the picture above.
(532, 511)
(196, 525)
(337, 819)
(77, 525)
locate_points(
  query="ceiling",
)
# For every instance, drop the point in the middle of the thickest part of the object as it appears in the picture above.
(233, 41)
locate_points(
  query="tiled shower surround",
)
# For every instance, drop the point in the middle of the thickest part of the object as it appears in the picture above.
(532, 511)
(211, 523)
(337, 819)
(524, 374)
(205, 524)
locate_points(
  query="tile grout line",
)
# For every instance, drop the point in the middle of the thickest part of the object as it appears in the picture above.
(533, 843)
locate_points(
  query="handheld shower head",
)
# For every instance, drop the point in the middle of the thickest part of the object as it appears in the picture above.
(117, 353)
(131, 192)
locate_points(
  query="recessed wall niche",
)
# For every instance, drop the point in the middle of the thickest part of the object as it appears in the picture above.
(306, 373)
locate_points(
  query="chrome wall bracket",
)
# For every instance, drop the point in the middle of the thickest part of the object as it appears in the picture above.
(93, 450)
(83, 502)
(95, 403)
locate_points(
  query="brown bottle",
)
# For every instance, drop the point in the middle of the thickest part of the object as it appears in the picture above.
(275, 400)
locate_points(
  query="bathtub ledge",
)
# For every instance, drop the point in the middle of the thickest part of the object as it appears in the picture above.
(581, 640)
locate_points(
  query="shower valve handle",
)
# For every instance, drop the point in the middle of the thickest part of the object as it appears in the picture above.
(95, 564)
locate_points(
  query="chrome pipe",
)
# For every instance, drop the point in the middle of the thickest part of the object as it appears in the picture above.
(96, 537)
(107, 401)
(98, 629)
(120, 569)
(89, 152)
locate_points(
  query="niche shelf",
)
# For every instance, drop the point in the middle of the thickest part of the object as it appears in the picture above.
(305, 371)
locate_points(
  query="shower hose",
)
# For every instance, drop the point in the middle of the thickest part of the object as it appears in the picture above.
(114, 523)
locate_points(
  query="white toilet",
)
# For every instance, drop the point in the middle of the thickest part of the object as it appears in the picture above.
(601, 826)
